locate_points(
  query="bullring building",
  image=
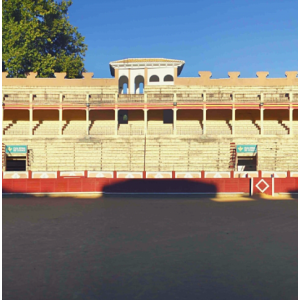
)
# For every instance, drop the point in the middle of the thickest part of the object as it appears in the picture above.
(147, 118)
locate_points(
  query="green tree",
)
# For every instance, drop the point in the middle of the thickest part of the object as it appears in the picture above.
(37, 37)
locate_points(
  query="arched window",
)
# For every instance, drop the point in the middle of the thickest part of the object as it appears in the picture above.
(154, 78)
(168, 78)
(139, 84)
(123, 84)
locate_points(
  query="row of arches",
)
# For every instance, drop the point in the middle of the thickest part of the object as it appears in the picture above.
(155, 78)
(139, 83)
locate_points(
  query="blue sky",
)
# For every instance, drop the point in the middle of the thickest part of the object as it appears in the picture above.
(213, 35)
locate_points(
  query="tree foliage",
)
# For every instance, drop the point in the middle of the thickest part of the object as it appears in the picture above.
(37, 37)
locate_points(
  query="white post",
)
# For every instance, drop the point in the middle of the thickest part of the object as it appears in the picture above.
(204, 120)
(233, 121)
(30, 114)
(87, 113)
(87, 120)
(174, 120)
(261, 121)
(116, 121)
(30, 120)
(291, 121)
(145, 121)
(60, 112)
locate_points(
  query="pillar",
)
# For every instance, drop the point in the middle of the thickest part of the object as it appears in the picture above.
(30, 120)
(116, 121)
(60, 112)
(3, 108)
(87, 115)
(146, 121)
(174, 120)
(291, 120)
(204, 120)
(233, 121)
(261, 121)
(30, 114)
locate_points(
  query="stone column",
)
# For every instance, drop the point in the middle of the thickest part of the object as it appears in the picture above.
(261, 121)
(145, 121)
(204, 120)
(174, 120)
(233, 121)
(291, 120)
(116, 121)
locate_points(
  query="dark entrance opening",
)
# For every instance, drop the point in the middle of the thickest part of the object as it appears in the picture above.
(16, 163)
(123, 116)
(246, 163)
(168, 116)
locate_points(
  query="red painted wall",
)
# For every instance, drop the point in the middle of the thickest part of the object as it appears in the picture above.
(125, 185)
(207, 185)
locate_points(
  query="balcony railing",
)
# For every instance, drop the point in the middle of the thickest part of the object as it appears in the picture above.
(218, 97)
(128, 98)
(16, 99)
(160, 98)
(276, 98)
(247, 98)
(295, 98)
(74, 99)
(45, 99)
(189, 98)
(102, 99)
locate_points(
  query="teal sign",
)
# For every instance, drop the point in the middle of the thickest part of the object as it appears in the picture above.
(16, 149)
(246, 148)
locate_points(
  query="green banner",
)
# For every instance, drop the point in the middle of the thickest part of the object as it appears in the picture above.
(16, 149)
(246, 148)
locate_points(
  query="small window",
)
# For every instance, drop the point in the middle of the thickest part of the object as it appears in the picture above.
(154, 78)
(168, 78)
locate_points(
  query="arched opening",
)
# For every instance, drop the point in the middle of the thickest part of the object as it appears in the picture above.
(139, 84)
(123, 84)
(154, 78)
(168, 78)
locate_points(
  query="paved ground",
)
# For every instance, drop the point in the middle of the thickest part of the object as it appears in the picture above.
(149, 248)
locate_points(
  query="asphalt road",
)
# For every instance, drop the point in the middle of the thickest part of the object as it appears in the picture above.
(149, 248)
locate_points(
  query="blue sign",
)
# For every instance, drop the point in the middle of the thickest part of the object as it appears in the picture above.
(16, 149)
(246, 149)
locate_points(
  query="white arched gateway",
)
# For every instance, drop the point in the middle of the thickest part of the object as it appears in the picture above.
(143, 72)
